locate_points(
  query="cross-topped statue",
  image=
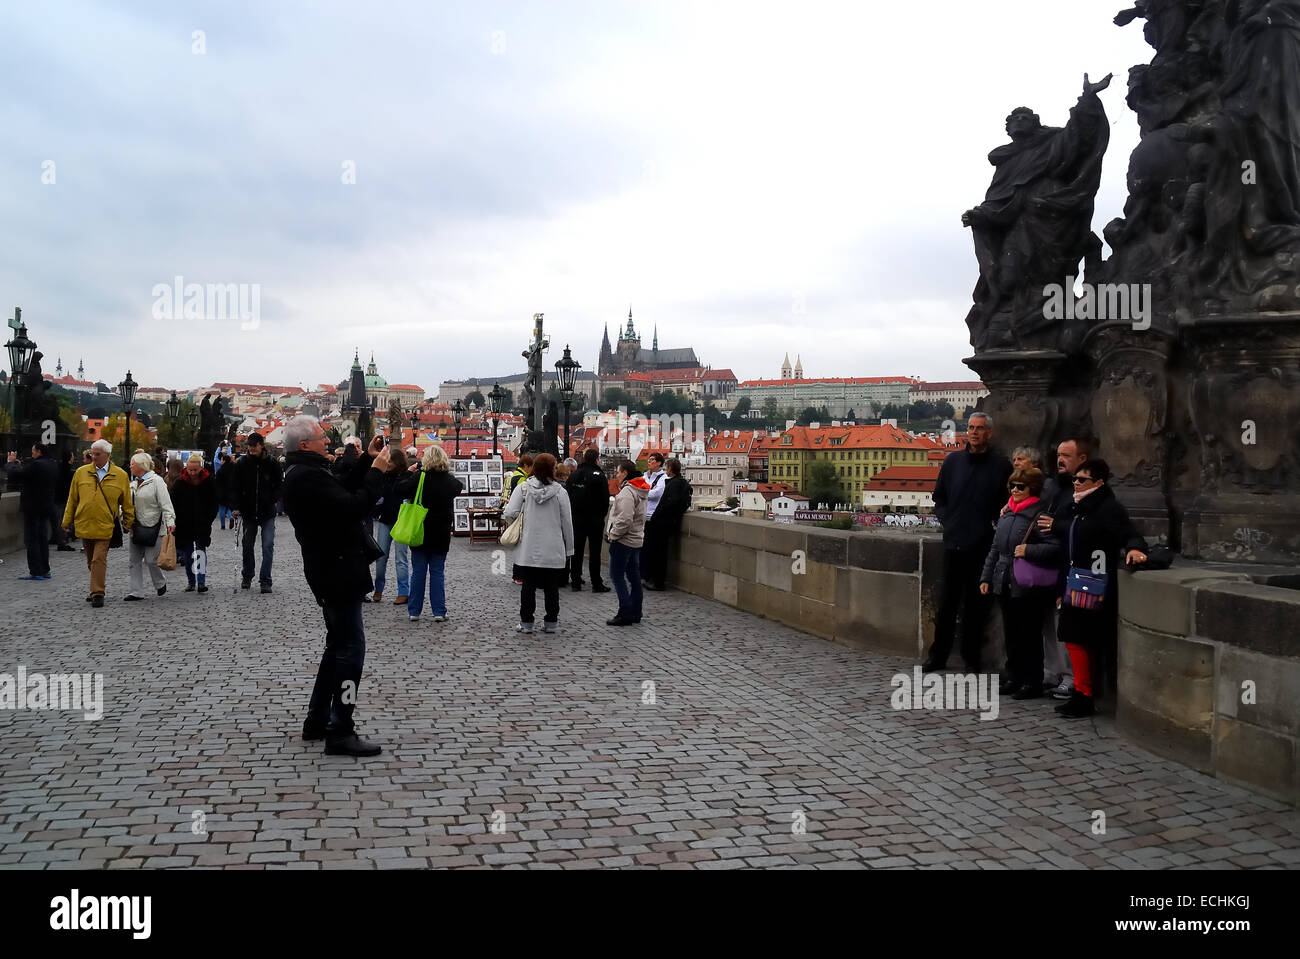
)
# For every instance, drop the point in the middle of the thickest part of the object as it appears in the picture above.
(16, 320)
(534, 382)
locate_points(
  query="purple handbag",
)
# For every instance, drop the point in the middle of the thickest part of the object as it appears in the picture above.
(1029, 575)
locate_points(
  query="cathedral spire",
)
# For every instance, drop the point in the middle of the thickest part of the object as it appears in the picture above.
(372, 371)
(785, 367)
(655, 345)
(356, 359)
(631, 332)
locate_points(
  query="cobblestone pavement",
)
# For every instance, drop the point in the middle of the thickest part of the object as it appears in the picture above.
(755, 730)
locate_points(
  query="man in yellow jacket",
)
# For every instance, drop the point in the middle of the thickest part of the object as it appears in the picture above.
(100, 491)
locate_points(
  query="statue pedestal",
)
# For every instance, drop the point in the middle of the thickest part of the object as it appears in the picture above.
(1130, 414)
(1029, 398)
(1244, 411)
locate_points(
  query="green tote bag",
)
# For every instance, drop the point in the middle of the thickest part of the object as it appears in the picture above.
(409, 528)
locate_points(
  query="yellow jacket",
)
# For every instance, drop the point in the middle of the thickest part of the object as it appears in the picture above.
(86, 507)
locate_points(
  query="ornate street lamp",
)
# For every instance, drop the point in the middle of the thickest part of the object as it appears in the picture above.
(495, 398)
(568, 369)
(126, 390)
(21, 350)
(173, 406)
(193, 419)
(457, 415)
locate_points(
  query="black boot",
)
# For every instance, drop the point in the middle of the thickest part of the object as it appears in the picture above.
(1078, 706)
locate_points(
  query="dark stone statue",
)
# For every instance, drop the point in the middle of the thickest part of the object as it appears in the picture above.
(1034, 225)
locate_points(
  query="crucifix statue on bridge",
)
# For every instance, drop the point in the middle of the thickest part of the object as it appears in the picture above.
(533, 384)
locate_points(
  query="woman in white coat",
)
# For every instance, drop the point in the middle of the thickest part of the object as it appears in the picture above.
(153, 508)
(546, 543)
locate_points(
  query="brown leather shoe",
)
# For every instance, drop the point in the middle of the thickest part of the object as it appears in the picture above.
(400, 601)
(377, 598)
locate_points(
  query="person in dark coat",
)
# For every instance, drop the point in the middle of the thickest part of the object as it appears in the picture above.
(968, 495)
(66, 468)
(346, 462)
(1099, 536)
(227, 501)
(430, 557)
(588, 490)
(327, 513)
(194, 499)
(666, 522)
(38, 478)
(258, 478)
(1024, 608)
(385, 516)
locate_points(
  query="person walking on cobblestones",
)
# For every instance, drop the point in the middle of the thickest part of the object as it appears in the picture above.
(430, 557)
(38, 479)
(545, 544)
(258, 478)
(625, 531)
(153, 512)
(327, 513)
(100, 493)
(194, 497)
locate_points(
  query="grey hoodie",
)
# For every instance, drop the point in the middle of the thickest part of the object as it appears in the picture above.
(626, 524)
(547, 539)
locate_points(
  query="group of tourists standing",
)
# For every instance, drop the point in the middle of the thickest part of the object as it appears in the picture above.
(1045, 548)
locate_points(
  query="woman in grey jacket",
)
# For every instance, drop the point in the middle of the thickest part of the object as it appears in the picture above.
(546, 543)
(153, 507)
(1024, 608)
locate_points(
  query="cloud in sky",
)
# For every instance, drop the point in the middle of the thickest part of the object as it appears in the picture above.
(709, 163)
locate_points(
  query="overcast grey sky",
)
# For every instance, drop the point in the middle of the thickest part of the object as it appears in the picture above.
(717, 165)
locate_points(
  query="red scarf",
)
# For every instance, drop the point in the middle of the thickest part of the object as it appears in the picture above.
(1017, 507)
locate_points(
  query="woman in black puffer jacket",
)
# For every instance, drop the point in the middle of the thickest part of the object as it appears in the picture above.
(1099, 537)
(385, 516)
(1024, 607)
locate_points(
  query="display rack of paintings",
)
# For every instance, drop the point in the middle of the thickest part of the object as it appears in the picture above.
(479, 477)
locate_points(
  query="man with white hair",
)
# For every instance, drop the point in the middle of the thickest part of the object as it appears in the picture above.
(100, 493)
(327, 513)
(351, 451)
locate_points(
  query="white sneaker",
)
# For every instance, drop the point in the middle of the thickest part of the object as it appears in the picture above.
(524, 628)
(440, 619)
(1063, 691)
(415, 619)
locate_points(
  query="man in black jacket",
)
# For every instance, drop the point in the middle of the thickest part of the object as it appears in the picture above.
(327, 514)
(39, 477)
(968, 495)
(666, 523)
(588, 490)
(257, 488)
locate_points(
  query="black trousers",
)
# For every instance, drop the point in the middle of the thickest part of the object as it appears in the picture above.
(339, 675)
(959, 592)
(587, 536)
(654, 552)
(36, 531)
(549, 581)
(1022, 628)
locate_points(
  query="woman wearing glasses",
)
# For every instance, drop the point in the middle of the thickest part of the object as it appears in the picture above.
(1021, 569)
(1099, 536)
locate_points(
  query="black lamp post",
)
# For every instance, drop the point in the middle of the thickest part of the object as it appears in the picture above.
(193, 419)
(494, 404)
(126, 390)
(568, 369)
(173, 406)
(21, 350)
(415, 426)
(457, 415)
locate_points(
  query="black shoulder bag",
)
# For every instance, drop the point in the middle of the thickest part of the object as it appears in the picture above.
(115, 541)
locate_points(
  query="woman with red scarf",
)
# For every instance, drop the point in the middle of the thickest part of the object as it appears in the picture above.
(1021, 569)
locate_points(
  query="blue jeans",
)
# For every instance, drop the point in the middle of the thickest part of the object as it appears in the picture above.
(268, 548)
(625, 572)
(344, 656)
(435, 565)
(193, 556)
(223, 514)
(401, 559)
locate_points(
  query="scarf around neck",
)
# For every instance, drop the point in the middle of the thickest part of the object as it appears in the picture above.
(1024, 503)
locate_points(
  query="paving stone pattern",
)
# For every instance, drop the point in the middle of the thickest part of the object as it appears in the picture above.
(754, 730)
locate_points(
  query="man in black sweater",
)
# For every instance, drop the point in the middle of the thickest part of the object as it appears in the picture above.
(969, 494)
(39, 477)
(327, 512)
(257, 488)
(588, 490)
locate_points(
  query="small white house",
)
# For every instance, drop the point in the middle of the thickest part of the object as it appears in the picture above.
(788, 503)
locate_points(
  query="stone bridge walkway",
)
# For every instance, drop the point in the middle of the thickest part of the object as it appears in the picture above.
(762, 746)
